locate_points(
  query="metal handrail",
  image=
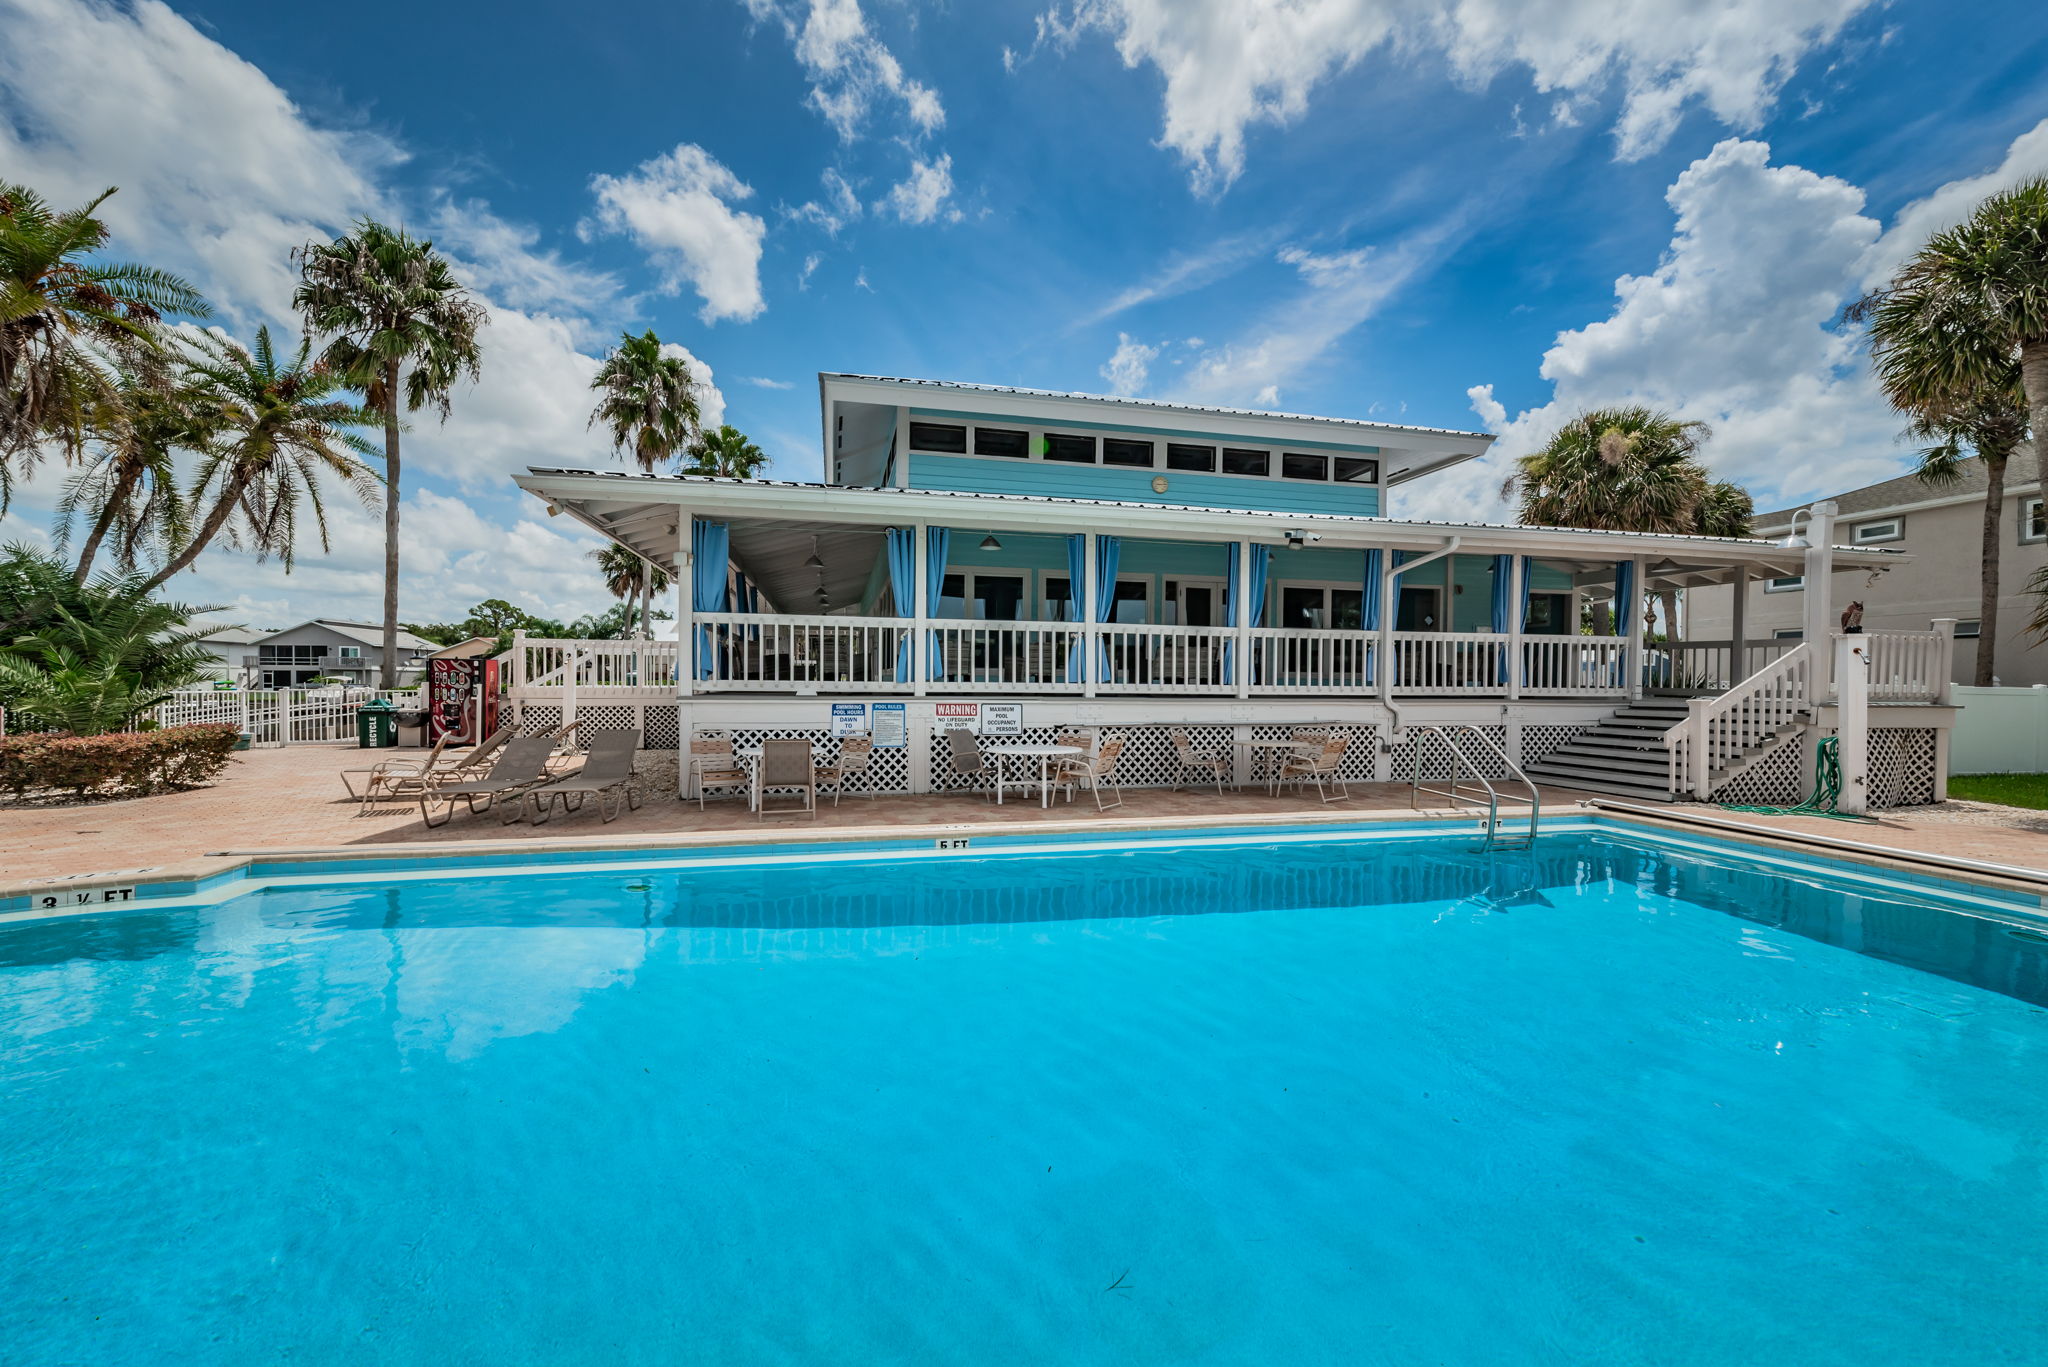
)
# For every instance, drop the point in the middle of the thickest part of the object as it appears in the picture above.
(1493, 795)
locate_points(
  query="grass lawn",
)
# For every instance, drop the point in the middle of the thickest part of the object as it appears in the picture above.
(2012, 790)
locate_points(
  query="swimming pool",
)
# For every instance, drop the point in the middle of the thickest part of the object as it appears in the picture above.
(1246, 1099)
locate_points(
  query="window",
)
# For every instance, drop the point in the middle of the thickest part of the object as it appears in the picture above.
(1180, 457)
(1079, 450)
(1132, 596)
(1357, 470)
(1243, 462)
(1550, 614)
(1868, 533)
(2033, 520)
(1969, 628)
(351, 652)
(1294, 466)
(1001, 441)
(1119, 451)
(289, 655)
(1315, 608)
(938, 436)
(1785, 584)
(1787, 634)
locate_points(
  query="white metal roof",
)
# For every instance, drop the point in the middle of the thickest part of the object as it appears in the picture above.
(1121, 401)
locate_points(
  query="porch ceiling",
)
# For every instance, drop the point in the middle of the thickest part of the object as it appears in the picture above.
(645, 513)
(772, 553)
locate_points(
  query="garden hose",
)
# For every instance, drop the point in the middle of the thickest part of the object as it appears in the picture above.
(1827, 788)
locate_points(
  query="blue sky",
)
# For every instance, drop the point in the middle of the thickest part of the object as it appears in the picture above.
(1469, 215)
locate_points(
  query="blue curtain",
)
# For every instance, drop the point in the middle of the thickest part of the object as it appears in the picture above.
(709, 552)
(937, 541)
(1262, 558)
(1077, 575)
(1106, 556)
(1528, 580)
(1624, 597)
(902, 551)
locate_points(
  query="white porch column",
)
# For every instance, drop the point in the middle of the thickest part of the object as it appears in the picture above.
(1641, 588)
(1241, 594)
(1852, 721)
(1084, 594)
(1518, 594)
(900, 448)
(1819, 594)
(1738, 629)
(921, 608)
(686, 608)
(1945, 661)
(1383, 649)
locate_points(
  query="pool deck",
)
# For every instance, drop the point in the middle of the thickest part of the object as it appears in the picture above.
(293, 799)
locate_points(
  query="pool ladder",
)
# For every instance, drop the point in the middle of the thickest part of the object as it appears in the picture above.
(1497, 837)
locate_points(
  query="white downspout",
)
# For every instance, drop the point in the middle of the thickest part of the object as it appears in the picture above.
(1389, 607)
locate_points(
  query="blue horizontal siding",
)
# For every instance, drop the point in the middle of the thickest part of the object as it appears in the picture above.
(1052, 479)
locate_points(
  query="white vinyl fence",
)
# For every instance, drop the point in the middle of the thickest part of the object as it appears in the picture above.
(2000, 731)
(284, 716)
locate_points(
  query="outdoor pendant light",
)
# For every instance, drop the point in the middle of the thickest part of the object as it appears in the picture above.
(814, 563)
(989, 543)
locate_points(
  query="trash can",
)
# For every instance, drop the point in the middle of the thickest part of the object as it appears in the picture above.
(412, 729)
(376, 725)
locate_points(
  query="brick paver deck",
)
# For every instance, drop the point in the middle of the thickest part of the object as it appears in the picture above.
(293, 799)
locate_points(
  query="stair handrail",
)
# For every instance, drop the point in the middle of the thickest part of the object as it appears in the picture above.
(1727, 724)
(1493, 796)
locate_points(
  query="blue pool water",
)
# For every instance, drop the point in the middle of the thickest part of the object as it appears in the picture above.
(1287, 1104)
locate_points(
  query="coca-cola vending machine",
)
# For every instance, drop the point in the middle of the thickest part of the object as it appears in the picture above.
(462, 700)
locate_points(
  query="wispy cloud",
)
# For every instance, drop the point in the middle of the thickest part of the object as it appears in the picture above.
(1185, 272)
(763, 382)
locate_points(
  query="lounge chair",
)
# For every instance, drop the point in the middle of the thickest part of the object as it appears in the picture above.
(377, 776)
(967, 760)
(1211, 765)
(607, 775)
(1319, 766)
(786, 764)
(856, 760)
(713, 765)
(521, 765)
(1093, 771)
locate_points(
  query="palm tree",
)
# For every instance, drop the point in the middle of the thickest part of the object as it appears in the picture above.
(129, 487)
(1630, 469)
(401, 328)
(648, 401)
(281, 429)
(63, 318)
(726, 453)
(627, 576)
(1945, 360)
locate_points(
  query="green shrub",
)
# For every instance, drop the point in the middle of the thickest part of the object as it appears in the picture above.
(118, 764)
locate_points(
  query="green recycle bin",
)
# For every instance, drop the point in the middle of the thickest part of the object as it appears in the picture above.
(376, 725)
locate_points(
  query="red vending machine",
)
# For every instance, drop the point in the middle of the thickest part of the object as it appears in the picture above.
(462, 700)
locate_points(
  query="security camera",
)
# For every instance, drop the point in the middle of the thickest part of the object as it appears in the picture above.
(1298, 538)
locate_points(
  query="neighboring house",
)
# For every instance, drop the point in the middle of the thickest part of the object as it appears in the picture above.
(329, 649)
(230, 648)
(1123, 563)
(1943, 527)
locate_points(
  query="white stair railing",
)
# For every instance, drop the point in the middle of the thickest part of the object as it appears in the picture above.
(1719, 730)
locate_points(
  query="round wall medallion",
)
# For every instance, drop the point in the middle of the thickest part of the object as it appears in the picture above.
(1159, 484)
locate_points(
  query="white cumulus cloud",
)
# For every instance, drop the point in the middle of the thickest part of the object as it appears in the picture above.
(679, 208)
(1129, 366)
(922, 196)
(1228, 66)
(849, 69)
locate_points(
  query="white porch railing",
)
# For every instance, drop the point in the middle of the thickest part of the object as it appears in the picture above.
(1909, 666)
(1287, 661)
(617, 669)
(1162, 659)
(1449, 663)
(1573, 666)
(761, 653)
(1719, 730)
(1706, 666)
(992, 657)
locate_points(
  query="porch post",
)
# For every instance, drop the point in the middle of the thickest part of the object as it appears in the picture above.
(920, 594)
(515, 675)
(686, 608)
(1945, 661)
(1241, 595)
(1518, 595)
(1819, 592)
(1852, 722)
(1091, 640)
(1738, 629)
(1639, 587)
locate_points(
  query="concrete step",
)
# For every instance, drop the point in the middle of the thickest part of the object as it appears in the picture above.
(1601, 781)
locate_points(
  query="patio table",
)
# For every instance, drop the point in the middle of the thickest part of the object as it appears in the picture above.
(1268, 754)
(1044, 755)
